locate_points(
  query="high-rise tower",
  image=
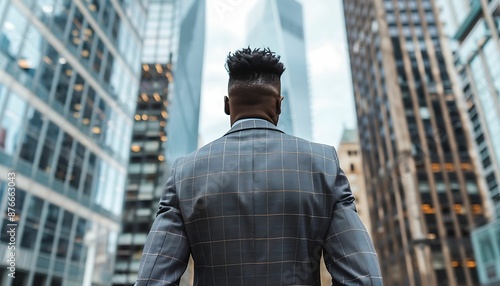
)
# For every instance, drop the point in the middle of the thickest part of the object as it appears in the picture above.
(166, 119)
(473, 28)
(69, 73)
(279, 25)
(422, 183)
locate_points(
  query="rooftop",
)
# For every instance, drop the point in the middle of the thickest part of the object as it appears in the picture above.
(349, 136)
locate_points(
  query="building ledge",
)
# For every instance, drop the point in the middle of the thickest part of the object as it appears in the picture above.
(475, 14)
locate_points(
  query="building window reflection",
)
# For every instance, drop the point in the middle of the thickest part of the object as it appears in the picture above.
(49, 229)
(13, 29)
(63, 84)
(77, 165)
(47, 154)
(78, 248)
(32, 222)
(99, 120)
(64, 233)
(64, 155)
(48, 67)
(29, 147)
(3, 94)
(19, 213)
(30, 55)
(30, 141)
(11, 123)
(98, 56)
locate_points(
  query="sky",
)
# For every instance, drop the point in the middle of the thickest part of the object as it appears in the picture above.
(330, 86)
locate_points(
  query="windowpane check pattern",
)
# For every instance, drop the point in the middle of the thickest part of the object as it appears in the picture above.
(258, 207)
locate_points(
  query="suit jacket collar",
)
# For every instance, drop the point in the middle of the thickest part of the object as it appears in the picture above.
(253, 124)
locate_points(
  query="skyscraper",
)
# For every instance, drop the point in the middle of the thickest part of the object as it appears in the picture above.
(473, 29)
(184, 107)
(69, 72)
(422, 182)
(279, 25)
(166, 119)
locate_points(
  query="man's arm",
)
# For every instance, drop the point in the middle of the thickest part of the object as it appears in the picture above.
(166, 252)
(349, 252)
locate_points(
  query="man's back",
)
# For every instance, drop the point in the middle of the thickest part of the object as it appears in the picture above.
(254, 205)
(257, 207)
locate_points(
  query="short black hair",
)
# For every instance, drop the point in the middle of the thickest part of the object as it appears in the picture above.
(254, 65)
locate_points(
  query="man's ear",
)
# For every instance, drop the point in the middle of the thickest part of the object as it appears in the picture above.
(278, 104)
(226, 105)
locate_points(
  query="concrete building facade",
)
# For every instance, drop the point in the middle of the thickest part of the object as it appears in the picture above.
(351, 162)
(422, 179)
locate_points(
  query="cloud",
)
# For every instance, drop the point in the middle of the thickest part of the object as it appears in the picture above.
(225, 32)
(331, 92)
(328, 58)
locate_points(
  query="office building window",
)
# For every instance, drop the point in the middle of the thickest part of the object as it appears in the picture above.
(32, 226)
(12, 119)
(47, 243)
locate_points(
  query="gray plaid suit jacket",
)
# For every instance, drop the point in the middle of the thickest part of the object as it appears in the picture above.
(258, 207)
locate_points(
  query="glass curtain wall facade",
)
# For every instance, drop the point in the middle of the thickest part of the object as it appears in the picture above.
(147, 156)
(486, 243)
(145, 171)
(279, 25)
(422, 183)
(166, 119)
(69, 72)
(184, 104)
(473, 28)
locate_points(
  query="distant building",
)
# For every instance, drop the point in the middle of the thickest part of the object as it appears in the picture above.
(145, 171)
(69, 74)
(422, 181)
(279, 25)
(473, 29)
(351, 162)
(184, 104)
(166, 119)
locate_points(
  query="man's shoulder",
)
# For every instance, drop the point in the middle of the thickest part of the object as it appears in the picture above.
(205, 149)
(314, 146)
(299, 139)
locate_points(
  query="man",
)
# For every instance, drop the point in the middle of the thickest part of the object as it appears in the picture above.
(257, 206)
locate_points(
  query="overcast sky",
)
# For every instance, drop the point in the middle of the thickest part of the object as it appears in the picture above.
(332, 103)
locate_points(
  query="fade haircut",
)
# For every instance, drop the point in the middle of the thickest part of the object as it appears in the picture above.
(257, 65)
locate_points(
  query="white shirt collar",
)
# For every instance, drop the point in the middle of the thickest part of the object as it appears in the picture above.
(246, 119)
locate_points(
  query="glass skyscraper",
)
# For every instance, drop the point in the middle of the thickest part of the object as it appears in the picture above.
(184, 104)
(473, 28)
(166, 119)
(423, 185)
(279, 25)
(69, 75)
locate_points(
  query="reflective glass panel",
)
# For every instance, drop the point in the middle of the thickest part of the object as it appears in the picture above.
(10, 129)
